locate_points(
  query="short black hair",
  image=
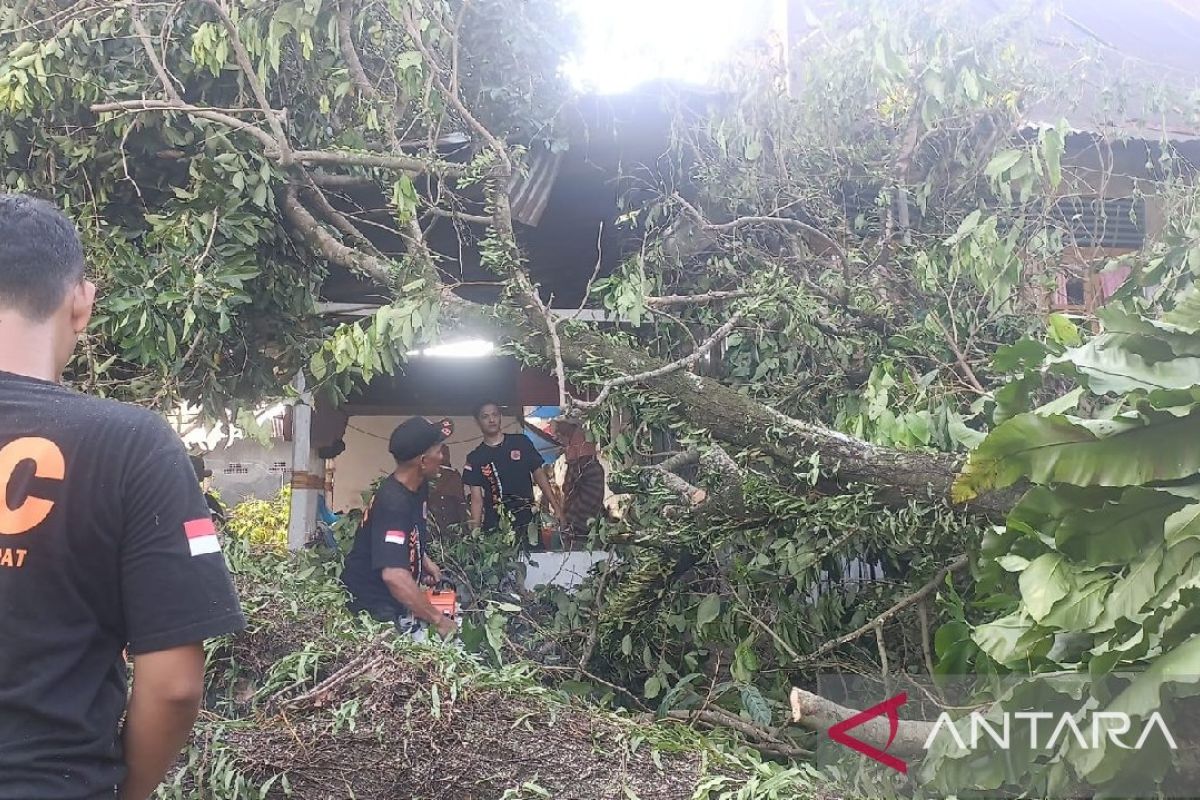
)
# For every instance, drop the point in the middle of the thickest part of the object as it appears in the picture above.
(481, 406)
(41, 256)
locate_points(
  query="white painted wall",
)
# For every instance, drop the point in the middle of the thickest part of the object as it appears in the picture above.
(563, 569)
(262, 478)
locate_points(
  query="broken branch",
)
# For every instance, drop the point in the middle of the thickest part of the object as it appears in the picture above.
(700, 352)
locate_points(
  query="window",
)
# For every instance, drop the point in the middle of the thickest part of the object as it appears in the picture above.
(1094, 232)
(1111, 223)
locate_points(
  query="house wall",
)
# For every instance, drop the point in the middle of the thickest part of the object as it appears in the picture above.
(247, 470)
(1112, 171)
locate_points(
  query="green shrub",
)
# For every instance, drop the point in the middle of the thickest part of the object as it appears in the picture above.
(262, 523)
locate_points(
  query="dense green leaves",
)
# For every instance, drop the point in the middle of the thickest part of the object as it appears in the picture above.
(1104, 545)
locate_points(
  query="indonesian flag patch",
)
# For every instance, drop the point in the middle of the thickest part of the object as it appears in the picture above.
(396, 537)
(202, 536)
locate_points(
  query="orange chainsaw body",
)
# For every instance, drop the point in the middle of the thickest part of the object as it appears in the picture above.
(444, 598)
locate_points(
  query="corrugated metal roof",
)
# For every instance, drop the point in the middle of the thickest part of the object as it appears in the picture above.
(530, 189)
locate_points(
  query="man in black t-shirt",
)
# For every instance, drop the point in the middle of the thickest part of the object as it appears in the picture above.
(105, 544)
(501, 472)
(388, 563)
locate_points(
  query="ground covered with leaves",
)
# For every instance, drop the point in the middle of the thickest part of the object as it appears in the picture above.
(310, 703)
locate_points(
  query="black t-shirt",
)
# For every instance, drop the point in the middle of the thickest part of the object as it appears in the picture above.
(392, 534)
(505, 473)
(105, 543)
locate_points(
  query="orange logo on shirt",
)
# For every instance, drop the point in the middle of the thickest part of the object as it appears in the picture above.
(49, 464)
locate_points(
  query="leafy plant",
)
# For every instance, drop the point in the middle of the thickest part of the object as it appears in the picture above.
(262, 523)
(1098, 562)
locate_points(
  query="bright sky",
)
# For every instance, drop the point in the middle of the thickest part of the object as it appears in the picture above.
(627, 42)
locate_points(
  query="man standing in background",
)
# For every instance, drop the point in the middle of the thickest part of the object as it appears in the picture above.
(447, 496)
(583, 485)
(502, 472)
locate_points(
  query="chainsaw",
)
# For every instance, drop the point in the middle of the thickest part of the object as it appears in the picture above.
(444, 597)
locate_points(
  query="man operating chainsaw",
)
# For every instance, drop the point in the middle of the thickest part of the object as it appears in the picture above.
(388, 563)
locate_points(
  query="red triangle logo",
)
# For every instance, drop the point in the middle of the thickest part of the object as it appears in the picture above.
(890, 708)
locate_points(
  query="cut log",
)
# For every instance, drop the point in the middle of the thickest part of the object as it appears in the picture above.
(816, 713)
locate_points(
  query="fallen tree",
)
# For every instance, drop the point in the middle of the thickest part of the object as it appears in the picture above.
(830, 285)
(310, 703)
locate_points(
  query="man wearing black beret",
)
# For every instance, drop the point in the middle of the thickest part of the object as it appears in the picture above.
(388, 564)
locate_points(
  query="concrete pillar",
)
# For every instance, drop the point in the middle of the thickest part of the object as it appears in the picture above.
(307, 475)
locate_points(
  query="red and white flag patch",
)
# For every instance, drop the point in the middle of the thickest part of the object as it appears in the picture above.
(202, 536)
(396, 537)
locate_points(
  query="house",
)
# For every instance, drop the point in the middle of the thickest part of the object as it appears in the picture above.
(1118, 132)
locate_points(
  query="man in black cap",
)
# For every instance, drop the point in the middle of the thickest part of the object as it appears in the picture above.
(203, 473)
(388, 563)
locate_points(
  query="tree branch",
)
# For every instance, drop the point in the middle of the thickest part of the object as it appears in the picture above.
(260, 92)
(144, 37)
(786, 222)
(314, 234)
(669, 469)
(393, 161)
(452, 96)
(916, 597)
(816, 713)
(339, 221)
(262, 136)
(670, 300)
(666, 369)
(759, 737)
(358, 75)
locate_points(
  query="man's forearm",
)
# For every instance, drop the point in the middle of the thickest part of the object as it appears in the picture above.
(476, 509)
(411, 596)
(548, 492)
(431, 568)
(156, 730)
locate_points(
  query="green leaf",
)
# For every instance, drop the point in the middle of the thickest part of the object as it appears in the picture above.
(709, 610)
(1083, 606)
(1045, 449)
(1002, 162)
(1043, 583)
(627, 645)
(1117, 531)
(653, 687)
(965, 228)
(1024, 354)
(745, 661)
(1013, 563)
(1185, 316)
(1053, 147)
(1143, 695)
(1064, 331)
(1006, 640)
(672, 696)
(1131, 592)
(756, 706)
(970, 84)
(1105, 366)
